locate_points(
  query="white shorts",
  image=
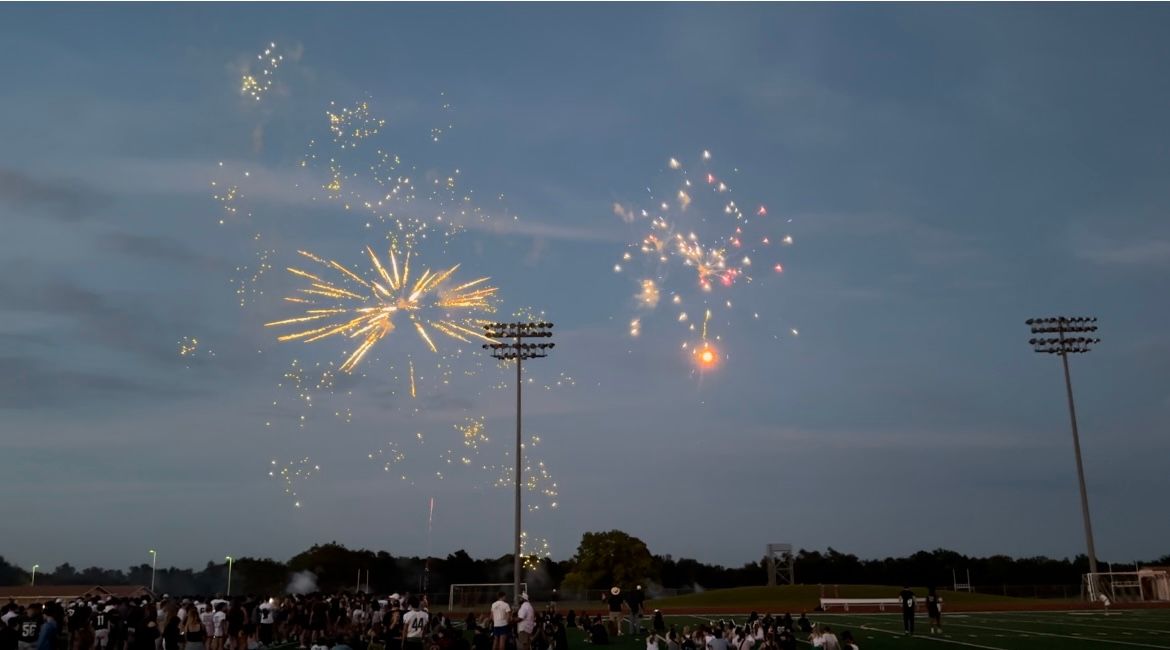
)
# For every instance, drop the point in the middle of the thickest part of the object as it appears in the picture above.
(101, 638)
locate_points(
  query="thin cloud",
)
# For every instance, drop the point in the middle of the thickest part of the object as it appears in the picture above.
(1141, 252)
(60, 199)
(32, 384)
(155, 248)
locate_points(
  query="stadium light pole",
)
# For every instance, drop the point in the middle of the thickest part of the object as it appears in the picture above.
(1077, 343)
(229, 561)
(34, 575)
(153, 565)
(516, 349)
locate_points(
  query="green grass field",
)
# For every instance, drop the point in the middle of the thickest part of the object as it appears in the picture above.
(1116, 630)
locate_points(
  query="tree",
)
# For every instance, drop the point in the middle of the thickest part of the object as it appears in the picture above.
(11, 575)
(607, 559)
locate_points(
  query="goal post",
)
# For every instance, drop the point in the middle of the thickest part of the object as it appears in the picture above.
(781, 562)
(475, 595)
(1144, 585)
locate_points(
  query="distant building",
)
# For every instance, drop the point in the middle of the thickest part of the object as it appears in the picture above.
(25, 595)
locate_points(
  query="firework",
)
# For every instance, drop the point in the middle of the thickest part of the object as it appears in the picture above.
(258, 78)
(390, 455)
(350, 126)
(368, 313)
(412, 199)
(535, 476)
(533, 550)
(292, 473)
(247, 278)
(188, 345)
(696, 247)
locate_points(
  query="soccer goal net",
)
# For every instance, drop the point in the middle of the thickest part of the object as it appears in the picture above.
(480, 595)
(1126, 586)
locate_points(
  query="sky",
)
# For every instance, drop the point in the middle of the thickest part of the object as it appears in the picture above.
(944, 171)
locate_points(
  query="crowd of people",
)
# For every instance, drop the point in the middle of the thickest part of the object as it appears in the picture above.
(756, 633)
(350, 621)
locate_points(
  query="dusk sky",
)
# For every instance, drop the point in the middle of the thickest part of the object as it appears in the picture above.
(944, 171)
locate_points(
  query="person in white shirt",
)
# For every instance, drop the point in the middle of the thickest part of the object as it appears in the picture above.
(218, 627)
(652, 641)
(205, 617)
(526, 625)
(414, 625)
(745, 641)
(501, 620)
(823, 637)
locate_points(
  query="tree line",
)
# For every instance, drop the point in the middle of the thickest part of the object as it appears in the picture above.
(602, 559)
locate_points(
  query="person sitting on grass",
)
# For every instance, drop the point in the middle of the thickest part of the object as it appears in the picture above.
(785, 639)
(598, 635)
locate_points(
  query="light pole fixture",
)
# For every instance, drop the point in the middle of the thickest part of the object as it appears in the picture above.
(1072, 336)
(34, 575)
(229, 561)
(153, 566)
(510, 345)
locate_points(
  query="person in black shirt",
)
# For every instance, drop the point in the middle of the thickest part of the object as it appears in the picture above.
(615, 600)
(635, 600)
(597, 633)
(659, 623)
(804, 624)
(785, 639)
(908, 606)
(9, 636)
(30, 628)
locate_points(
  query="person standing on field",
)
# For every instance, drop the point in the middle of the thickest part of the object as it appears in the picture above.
(526, 625)
(415, 623)
(635, 601)
(908, 605)
(615, 600)
(934, 611)
(501, 619)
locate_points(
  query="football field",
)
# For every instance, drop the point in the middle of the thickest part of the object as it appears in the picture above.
(1148, 628)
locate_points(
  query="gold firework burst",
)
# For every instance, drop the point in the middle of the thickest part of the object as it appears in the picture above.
(368, 311)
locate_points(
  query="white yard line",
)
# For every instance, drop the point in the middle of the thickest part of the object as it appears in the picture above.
(1062, 636)
(933, 638)
(1062, 621)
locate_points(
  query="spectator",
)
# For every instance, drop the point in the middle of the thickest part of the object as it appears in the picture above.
(526, 624)
(501, 620)
(9, 635)
(47, 639)
(908, 606)
(615, 600)
(804, 624)
(635, 601)
(934, 611)
(823, 637)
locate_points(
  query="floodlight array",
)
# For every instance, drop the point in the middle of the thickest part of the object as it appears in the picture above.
(1060, 325)
(517, 332)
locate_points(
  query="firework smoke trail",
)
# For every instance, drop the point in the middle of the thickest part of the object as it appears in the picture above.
(369, 312)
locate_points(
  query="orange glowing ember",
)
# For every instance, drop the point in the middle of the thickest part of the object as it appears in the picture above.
(707, 356)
